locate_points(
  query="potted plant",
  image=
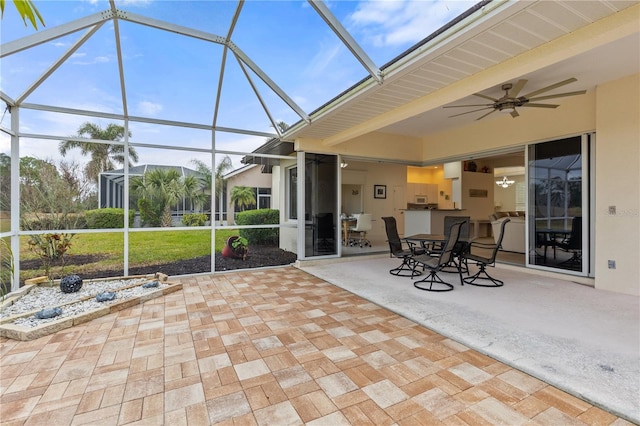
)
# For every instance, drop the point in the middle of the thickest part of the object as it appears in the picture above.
(236, 247)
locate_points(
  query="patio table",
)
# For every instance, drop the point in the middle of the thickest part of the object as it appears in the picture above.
(550, 236)
(458, 252)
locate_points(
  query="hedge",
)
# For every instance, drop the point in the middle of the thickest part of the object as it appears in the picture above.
(108, 218)
(262, 236)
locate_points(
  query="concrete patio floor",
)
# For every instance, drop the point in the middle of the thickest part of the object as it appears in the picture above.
(579, 339)
(281, 346)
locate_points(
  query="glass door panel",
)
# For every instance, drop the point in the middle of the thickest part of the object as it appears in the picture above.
(558, 204)
(321, 205)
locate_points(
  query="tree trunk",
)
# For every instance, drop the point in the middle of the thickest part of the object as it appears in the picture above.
(166, 216)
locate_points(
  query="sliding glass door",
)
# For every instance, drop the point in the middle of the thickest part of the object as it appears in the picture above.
(558, 219)
(321, 205)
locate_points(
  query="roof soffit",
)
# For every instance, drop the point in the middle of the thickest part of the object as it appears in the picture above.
(427, 83)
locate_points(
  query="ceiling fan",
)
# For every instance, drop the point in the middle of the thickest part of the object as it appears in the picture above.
(510, 101)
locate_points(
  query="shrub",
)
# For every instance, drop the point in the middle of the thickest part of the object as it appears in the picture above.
(263, 236)
(6, 267)
(107, 218)
(194, 219)
(50, 247)
(46, 221)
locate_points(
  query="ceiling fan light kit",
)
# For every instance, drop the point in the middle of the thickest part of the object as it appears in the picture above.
(505, 182)
(510, 101)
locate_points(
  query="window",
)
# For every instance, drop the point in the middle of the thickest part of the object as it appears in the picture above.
(264, 198)
(292, 191)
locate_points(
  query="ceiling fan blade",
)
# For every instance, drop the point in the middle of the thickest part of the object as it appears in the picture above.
(514, 113)
(553, 86)
(469, 112)
(463, 106)
(539, 105)
(559, 95)
(517, 88)
(490, 112)
(485, 96)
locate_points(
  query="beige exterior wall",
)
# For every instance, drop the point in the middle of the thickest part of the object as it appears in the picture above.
(617, 184)
(288, 236)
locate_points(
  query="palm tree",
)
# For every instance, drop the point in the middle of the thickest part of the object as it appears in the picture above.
(103, 156)
(243, 196)
(224, 166)
(162, 188)
(27, 10)
(195, 192)
(282, 126)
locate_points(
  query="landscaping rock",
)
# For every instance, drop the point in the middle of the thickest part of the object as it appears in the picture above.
(106, 296)
(70, 284)
(48, 313)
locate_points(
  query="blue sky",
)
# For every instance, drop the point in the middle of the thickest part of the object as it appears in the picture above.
(175, 77)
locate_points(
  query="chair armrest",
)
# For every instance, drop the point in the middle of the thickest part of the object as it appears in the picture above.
(481, 245)
(415, 249)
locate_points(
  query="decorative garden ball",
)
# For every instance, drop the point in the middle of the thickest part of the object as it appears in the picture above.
(71, 284)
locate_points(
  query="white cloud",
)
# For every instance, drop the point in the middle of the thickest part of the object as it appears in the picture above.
(393, 23)
(90, 61)
(149, 108)
(322, 59)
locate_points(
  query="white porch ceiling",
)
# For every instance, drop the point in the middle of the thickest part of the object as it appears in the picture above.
(501, 31)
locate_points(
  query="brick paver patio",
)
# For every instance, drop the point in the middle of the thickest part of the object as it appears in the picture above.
(268, 347)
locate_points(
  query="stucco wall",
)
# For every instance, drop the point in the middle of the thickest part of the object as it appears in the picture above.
(617, 184)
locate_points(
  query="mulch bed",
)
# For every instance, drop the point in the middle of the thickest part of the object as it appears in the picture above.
(258, 257)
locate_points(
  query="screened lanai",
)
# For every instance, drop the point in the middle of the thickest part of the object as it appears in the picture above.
(190, 84)
(187, 83)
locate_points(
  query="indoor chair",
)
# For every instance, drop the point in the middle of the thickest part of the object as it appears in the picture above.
(363, 224)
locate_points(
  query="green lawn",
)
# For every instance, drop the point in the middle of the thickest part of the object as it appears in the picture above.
(145, 248)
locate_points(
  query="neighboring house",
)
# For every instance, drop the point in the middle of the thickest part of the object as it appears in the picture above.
(111, 185)
(254, 177)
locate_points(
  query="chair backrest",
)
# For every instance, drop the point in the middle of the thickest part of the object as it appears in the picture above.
(450, 220)
(390, 226)
(499, 241)
(363, 222)
(447, 251)
(575, 238)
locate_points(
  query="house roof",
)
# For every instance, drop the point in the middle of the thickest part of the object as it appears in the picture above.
(239, 170)
(139, 170)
